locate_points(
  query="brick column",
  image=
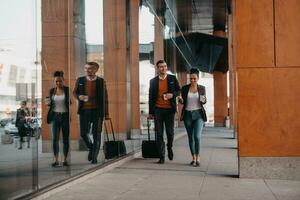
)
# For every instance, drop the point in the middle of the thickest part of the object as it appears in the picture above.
(220, 93)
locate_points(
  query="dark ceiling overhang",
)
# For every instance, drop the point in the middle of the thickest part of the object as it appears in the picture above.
(194, 23)
(206, 52)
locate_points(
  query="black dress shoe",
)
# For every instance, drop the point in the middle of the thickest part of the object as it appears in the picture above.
(94, 161)
(197, 164)
(170, 154)
(55, 164)
(192, 163)
(161, 161)
(90, 156)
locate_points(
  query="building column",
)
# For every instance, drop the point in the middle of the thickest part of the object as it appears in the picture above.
(268, 70)
(220, 93)
(63, 48)
(182, 79)
(134, 66)
(121, 64)
(158, 39)
(232, 75)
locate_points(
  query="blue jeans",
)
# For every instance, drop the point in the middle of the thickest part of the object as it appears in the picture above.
(60, 122)
(194, 130)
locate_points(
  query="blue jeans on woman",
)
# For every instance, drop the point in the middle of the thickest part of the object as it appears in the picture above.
(194, 129)
(60, 122)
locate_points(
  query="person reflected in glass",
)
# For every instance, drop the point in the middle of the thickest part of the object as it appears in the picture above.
(23, 115)
(58, 116)
(163, 91)
(90, 91)
(193, 97)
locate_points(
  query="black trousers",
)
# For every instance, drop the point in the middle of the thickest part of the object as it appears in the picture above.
(90, 119)
(164, 118)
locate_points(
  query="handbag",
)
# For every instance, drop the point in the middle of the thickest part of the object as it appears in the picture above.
(113, 148)
(50, 116)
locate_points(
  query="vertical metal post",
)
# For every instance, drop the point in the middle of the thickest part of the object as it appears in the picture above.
(128, 70)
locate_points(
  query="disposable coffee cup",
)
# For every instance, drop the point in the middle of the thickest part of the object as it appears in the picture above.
(86, 98)
(165, 96)
(47, 100)
(202, 98)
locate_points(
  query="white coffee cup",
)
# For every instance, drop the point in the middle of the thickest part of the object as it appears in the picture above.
(165, 96)
(47, 100)
(202, 98)
(85, 98)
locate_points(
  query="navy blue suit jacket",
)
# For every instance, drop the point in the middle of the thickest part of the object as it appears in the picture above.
(173, 87)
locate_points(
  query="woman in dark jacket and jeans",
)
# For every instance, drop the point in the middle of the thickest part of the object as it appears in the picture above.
(58, 116)
(193, 113)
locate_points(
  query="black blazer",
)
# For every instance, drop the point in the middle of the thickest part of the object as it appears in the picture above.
(184, 94)
(21, 115)
(67, 102)
(102, 98)
(173, 87)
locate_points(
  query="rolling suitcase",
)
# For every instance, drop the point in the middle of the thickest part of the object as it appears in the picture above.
(149, 148)
(113, 148)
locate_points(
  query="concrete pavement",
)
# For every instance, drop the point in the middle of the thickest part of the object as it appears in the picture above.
(215, 179)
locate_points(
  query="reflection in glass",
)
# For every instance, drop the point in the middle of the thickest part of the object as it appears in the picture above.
(146, 65)
(20, 125)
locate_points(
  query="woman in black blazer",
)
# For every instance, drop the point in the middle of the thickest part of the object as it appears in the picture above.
(58, 116)
(193, 113)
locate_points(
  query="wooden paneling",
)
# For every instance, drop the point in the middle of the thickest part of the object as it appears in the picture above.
(134, 64)
(255, 33)
(269, 109)
(287, 35)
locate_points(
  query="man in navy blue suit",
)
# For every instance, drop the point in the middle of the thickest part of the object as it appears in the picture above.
(164, 88)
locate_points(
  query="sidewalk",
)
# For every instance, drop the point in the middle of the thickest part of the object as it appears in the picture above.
(215, 179)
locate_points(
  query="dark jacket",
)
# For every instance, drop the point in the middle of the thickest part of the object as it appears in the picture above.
(51, 106)
(173, 87)
(101, 96)
(184, 94)
(21, 117)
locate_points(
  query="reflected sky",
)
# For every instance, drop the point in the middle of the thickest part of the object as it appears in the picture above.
(146, 26)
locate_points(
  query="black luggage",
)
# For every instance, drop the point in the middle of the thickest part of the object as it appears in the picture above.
(113, 148)
(149, 148)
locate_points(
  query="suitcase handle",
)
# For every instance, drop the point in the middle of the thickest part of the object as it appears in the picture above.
(112, 129)
(148, 126)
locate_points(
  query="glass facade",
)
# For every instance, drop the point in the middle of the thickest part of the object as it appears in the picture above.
(44, 38)
(146, 63)
(40, 38)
